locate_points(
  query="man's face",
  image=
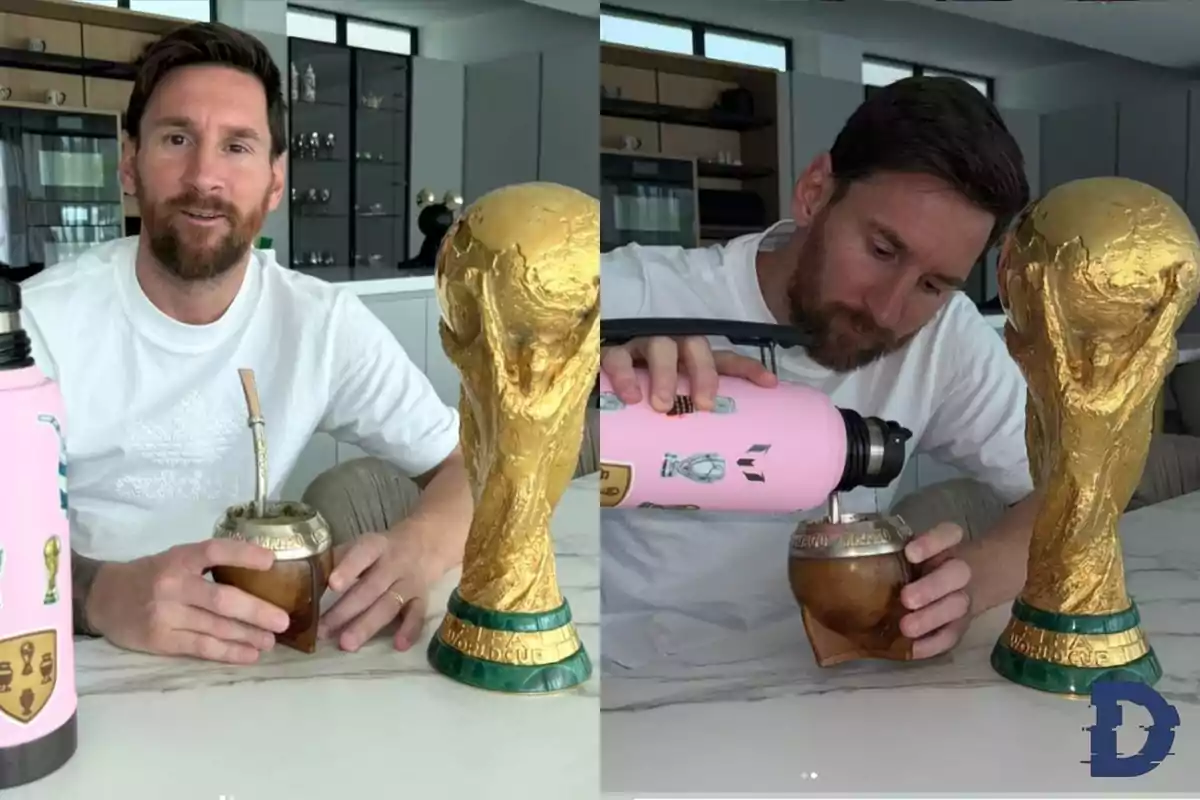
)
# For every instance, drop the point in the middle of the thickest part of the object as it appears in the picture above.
(202, 170)
(880, 262)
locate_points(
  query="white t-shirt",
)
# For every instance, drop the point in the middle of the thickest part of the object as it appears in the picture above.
(677, 582)
(158, 443)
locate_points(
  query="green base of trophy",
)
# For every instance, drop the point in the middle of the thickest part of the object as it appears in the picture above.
(509, 673)
(1067, 653)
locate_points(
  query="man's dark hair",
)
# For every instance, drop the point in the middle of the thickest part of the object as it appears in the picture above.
(209, 43)
(938, 126)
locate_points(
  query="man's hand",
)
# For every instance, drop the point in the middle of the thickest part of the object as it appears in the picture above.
(664, 358)
(163, 604)
(379, 577)
(938, 602)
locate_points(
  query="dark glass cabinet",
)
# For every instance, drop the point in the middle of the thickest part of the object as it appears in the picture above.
(349, 128)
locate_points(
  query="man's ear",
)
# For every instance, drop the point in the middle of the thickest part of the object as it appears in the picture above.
(813, 190)
(128, 169)
(278, 180)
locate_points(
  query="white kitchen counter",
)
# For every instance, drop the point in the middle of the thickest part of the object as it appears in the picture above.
(762, 718)
(371, 724)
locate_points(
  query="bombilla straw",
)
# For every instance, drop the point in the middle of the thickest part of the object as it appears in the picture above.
(835, 508)
(257, 425)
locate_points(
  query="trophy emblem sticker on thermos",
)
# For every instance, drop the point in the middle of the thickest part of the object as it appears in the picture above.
(610, 402)
(27, 674)
(615, 480)
(52, 421)
(51, 551)
(698, 468)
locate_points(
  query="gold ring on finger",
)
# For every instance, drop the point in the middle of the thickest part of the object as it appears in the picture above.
(399, 598)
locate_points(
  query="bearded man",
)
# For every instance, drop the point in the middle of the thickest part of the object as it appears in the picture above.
(883, 231)
(146, 335)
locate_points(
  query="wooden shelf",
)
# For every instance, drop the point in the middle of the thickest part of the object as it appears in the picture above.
(65, 65)
(678, 115)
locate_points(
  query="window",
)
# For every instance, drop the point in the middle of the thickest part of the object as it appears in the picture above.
(982, 84)
(320, 26)
(756, 53)
(644, 33)
(192, 10)
(311, 25)
(881, 73)
(878, 72)
(670, 35)
(373, 36)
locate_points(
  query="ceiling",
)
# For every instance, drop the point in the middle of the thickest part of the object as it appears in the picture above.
(1161, 32)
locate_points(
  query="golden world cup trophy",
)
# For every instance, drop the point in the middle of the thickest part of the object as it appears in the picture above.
(1095, 278)
(518, 280)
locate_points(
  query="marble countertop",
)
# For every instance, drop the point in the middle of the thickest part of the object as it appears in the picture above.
(376, 723)
(761, 718)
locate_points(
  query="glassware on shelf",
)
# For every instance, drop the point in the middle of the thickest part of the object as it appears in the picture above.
(310, 84)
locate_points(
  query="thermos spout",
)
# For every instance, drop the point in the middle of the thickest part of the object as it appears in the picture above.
(876, 450)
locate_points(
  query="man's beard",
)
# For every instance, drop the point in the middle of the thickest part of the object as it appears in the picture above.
(844, 339)
(189, 255)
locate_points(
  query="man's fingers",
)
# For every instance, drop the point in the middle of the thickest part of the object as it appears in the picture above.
(233, 603)
(209, 648)
(950, 608)
(617, 363)
(200, 557)
(412, 622)
(952, 576)
(736, 365)
(365, 551)
(662, 362)
(198, 620)
(697, 358)
(936, 644)
(358, 599)
(370, 622)
(934, 542)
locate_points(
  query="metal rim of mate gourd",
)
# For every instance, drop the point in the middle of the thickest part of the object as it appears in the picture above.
(852, 536)
(290, 530)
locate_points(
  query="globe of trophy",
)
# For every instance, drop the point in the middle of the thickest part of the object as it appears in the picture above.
(846, 572)
(296, 534)
(518, 280)
(1095, 278)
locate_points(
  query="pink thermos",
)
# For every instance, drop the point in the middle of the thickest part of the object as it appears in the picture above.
(771, 450)
(37, 655)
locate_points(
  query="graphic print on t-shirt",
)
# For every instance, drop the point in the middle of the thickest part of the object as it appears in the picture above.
(176, 455)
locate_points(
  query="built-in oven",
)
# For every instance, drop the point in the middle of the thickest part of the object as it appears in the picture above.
(61, 186)
(648, 200)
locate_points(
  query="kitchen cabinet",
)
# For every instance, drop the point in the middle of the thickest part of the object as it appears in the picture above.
(501, 134)
(435, 136)
(1152, 140)
(438, 367)
(820, 108)
(58, 37)
(533, 117)
(107, 94)
(569, 118)
(114, 44)
(1078, 143)
(31, 86)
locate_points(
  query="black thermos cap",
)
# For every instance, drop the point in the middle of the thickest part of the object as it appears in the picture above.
(10, 296)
